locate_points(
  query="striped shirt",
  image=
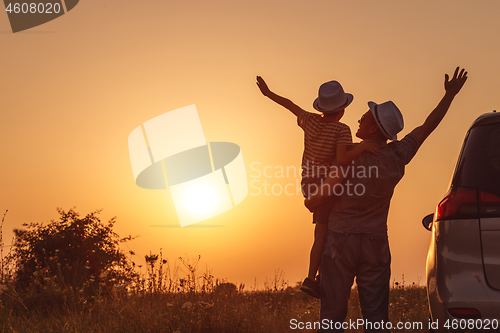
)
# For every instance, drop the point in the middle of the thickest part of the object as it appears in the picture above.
(320, 143)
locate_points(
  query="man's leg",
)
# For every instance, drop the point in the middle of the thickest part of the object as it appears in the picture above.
(337, 276)
(373, 278)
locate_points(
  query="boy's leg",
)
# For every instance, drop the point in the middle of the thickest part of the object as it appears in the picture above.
(310, 286)
(320, 218)
(317, 249)
(323, 194)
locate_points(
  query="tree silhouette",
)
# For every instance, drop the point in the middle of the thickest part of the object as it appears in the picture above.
(73, 252)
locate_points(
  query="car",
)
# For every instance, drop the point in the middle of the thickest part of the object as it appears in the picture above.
(463, 262)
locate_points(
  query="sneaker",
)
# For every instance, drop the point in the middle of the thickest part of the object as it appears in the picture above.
(310, 287)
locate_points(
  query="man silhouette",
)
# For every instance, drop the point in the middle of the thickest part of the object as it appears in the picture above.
(356, 243)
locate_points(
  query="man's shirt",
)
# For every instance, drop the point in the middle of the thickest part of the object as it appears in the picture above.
(368, 187)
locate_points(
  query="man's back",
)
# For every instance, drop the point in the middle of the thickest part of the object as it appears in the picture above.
(368, 187)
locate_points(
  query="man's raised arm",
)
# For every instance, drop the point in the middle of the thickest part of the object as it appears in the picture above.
(452, 88)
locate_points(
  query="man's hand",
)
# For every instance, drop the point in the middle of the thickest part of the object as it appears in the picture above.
(454, 85)
(264, 89)
(315, 200)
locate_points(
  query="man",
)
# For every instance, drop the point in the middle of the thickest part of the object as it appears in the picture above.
(356, 244)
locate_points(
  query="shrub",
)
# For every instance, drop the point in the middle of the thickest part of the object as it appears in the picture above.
(76, 252)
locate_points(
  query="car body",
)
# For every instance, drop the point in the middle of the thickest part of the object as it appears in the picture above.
(463, 262)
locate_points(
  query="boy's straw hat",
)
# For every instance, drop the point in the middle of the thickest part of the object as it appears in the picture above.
(388, 118)
(332, 98)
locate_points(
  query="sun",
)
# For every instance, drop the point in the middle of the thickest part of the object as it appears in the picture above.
(200, 199)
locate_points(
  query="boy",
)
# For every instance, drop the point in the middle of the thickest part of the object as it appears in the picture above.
(325, 142)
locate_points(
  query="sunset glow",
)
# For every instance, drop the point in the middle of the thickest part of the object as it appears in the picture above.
(75, 88)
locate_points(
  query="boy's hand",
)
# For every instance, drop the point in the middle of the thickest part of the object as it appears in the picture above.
(454, 85)
(284, 102)
(371, 147)
(263, 86)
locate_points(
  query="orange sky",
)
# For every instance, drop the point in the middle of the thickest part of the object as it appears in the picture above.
(73, 89)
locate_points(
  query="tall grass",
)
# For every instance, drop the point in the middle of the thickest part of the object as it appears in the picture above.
(160, 300)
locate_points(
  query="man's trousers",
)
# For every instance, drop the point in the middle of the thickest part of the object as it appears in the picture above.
(366, 257)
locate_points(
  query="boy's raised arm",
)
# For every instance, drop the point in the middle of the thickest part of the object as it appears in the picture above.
(284, 102)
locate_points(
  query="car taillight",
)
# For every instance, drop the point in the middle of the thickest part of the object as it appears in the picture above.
(460, 203)
(465, 313)
(463, 203)
(489, 204)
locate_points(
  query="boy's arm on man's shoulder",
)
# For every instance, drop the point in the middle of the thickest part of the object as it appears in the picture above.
(345, 156)
(284, 102)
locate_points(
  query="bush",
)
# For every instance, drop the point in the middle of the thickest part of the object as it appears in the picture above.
(80, 253)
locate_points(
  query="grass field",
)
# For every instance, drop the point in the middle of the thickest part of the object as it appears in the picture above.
(67, 296)
(223, 309)
(164, 300)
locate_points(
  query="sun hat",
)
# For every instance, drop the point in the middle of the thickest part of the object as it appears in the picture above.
(388, 118)
(332, 98)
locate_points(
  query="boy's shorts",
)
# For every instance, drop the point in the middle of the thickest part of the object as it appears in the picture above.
(321, 214)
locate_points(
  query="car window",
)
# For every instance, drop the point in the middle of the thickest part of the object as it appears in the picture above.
(479, 166)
